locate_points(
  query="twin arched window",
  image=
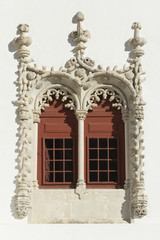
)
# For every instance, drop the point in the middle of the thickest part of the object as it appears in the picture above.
(104, 156)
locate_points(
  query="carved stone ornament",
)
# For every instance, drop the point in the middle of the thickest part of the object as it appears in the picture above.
(80, 85)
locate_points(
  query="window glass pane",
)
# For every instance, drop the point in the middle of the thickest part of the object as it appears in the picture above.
(113, 165)
(93, 143)
(93, 154)
(103, 143)
(58, 160)
(48, 155)
(93, 165)
(103, 176)
(68, 177)
(103, 154)
(68, 143)
(48, 166)
(49, 143)
(58, 143)
(58, 154)
(69, 165)
(113, 143)
(103, 165)
(68, 154)
(48, 176)
(58, 165)
(58, 177)
(93, 176)
(113, 153)
(113, 177)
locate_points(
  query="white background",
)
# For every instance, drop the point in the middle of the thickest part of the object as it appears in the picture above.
(109, 22)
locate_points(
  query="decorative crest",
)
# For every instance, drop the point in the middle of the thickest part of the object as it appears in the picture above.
(137, 42)
(80, 36)
(22, 42)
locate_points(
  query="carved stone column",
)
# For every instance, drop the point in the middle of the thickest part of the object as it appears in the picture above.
(23, 188)
(36, 120)
(125, 118)
(36, 115)
(81, 186)
(139, 198)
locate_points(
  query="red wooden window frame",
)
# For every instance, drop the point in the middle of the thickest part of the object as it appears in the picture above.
(58, 160)
(56, 122)
(105, 159)
(105, 122)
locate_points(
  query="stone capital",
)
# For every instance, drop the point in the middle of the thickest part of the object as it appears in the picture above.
(125, 115)
(36, 115)
(81, 114)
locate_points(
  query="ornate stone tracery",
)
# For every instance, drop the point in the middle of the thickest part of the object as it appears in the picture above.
(80, 85)
(57, 93)
(105, 93)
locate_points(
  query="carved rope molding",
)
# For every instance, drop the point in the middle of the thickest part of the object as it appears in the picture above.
(88, 83)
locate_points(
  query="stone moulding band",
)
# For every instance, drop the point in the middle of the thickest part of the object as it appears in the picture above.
(80, 85)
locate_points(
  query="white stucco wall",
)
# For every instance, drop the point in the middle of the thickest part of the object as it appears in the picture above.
(109, 23)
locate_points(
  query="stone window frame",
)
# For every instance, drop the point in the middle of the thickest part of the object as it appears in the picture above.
(80, 84)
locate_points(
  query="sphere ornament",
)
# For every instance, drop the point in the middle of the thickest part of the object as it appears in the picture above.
(23, 41)
(79, 16)
(80, 72)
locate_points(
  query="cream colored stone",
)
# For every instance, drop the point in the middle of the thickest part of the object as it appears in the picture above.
(80, 85)
(64, 206)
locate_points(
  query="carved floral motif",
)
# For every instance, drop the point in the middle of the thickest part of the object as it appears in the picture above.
(81, 114)
(139, 199)
(22, 200)
(57, 93)
(105, 93)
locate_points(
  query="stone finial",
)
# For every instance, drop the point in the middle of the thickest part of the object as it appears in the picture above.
(136, 42)
(22, 42)
(22, 28)
(80, 36)
(79, 16)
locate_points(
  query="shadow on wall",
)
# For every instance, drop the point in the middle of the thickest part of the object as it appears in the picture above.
(12, 48)
(125, 212)
(13, 212)
(12, 204)
(128, 49)
(70, 39)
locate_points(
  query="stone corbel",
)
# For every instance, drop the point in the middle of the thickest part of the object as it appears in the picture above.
(22, 200)
(80, 188)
